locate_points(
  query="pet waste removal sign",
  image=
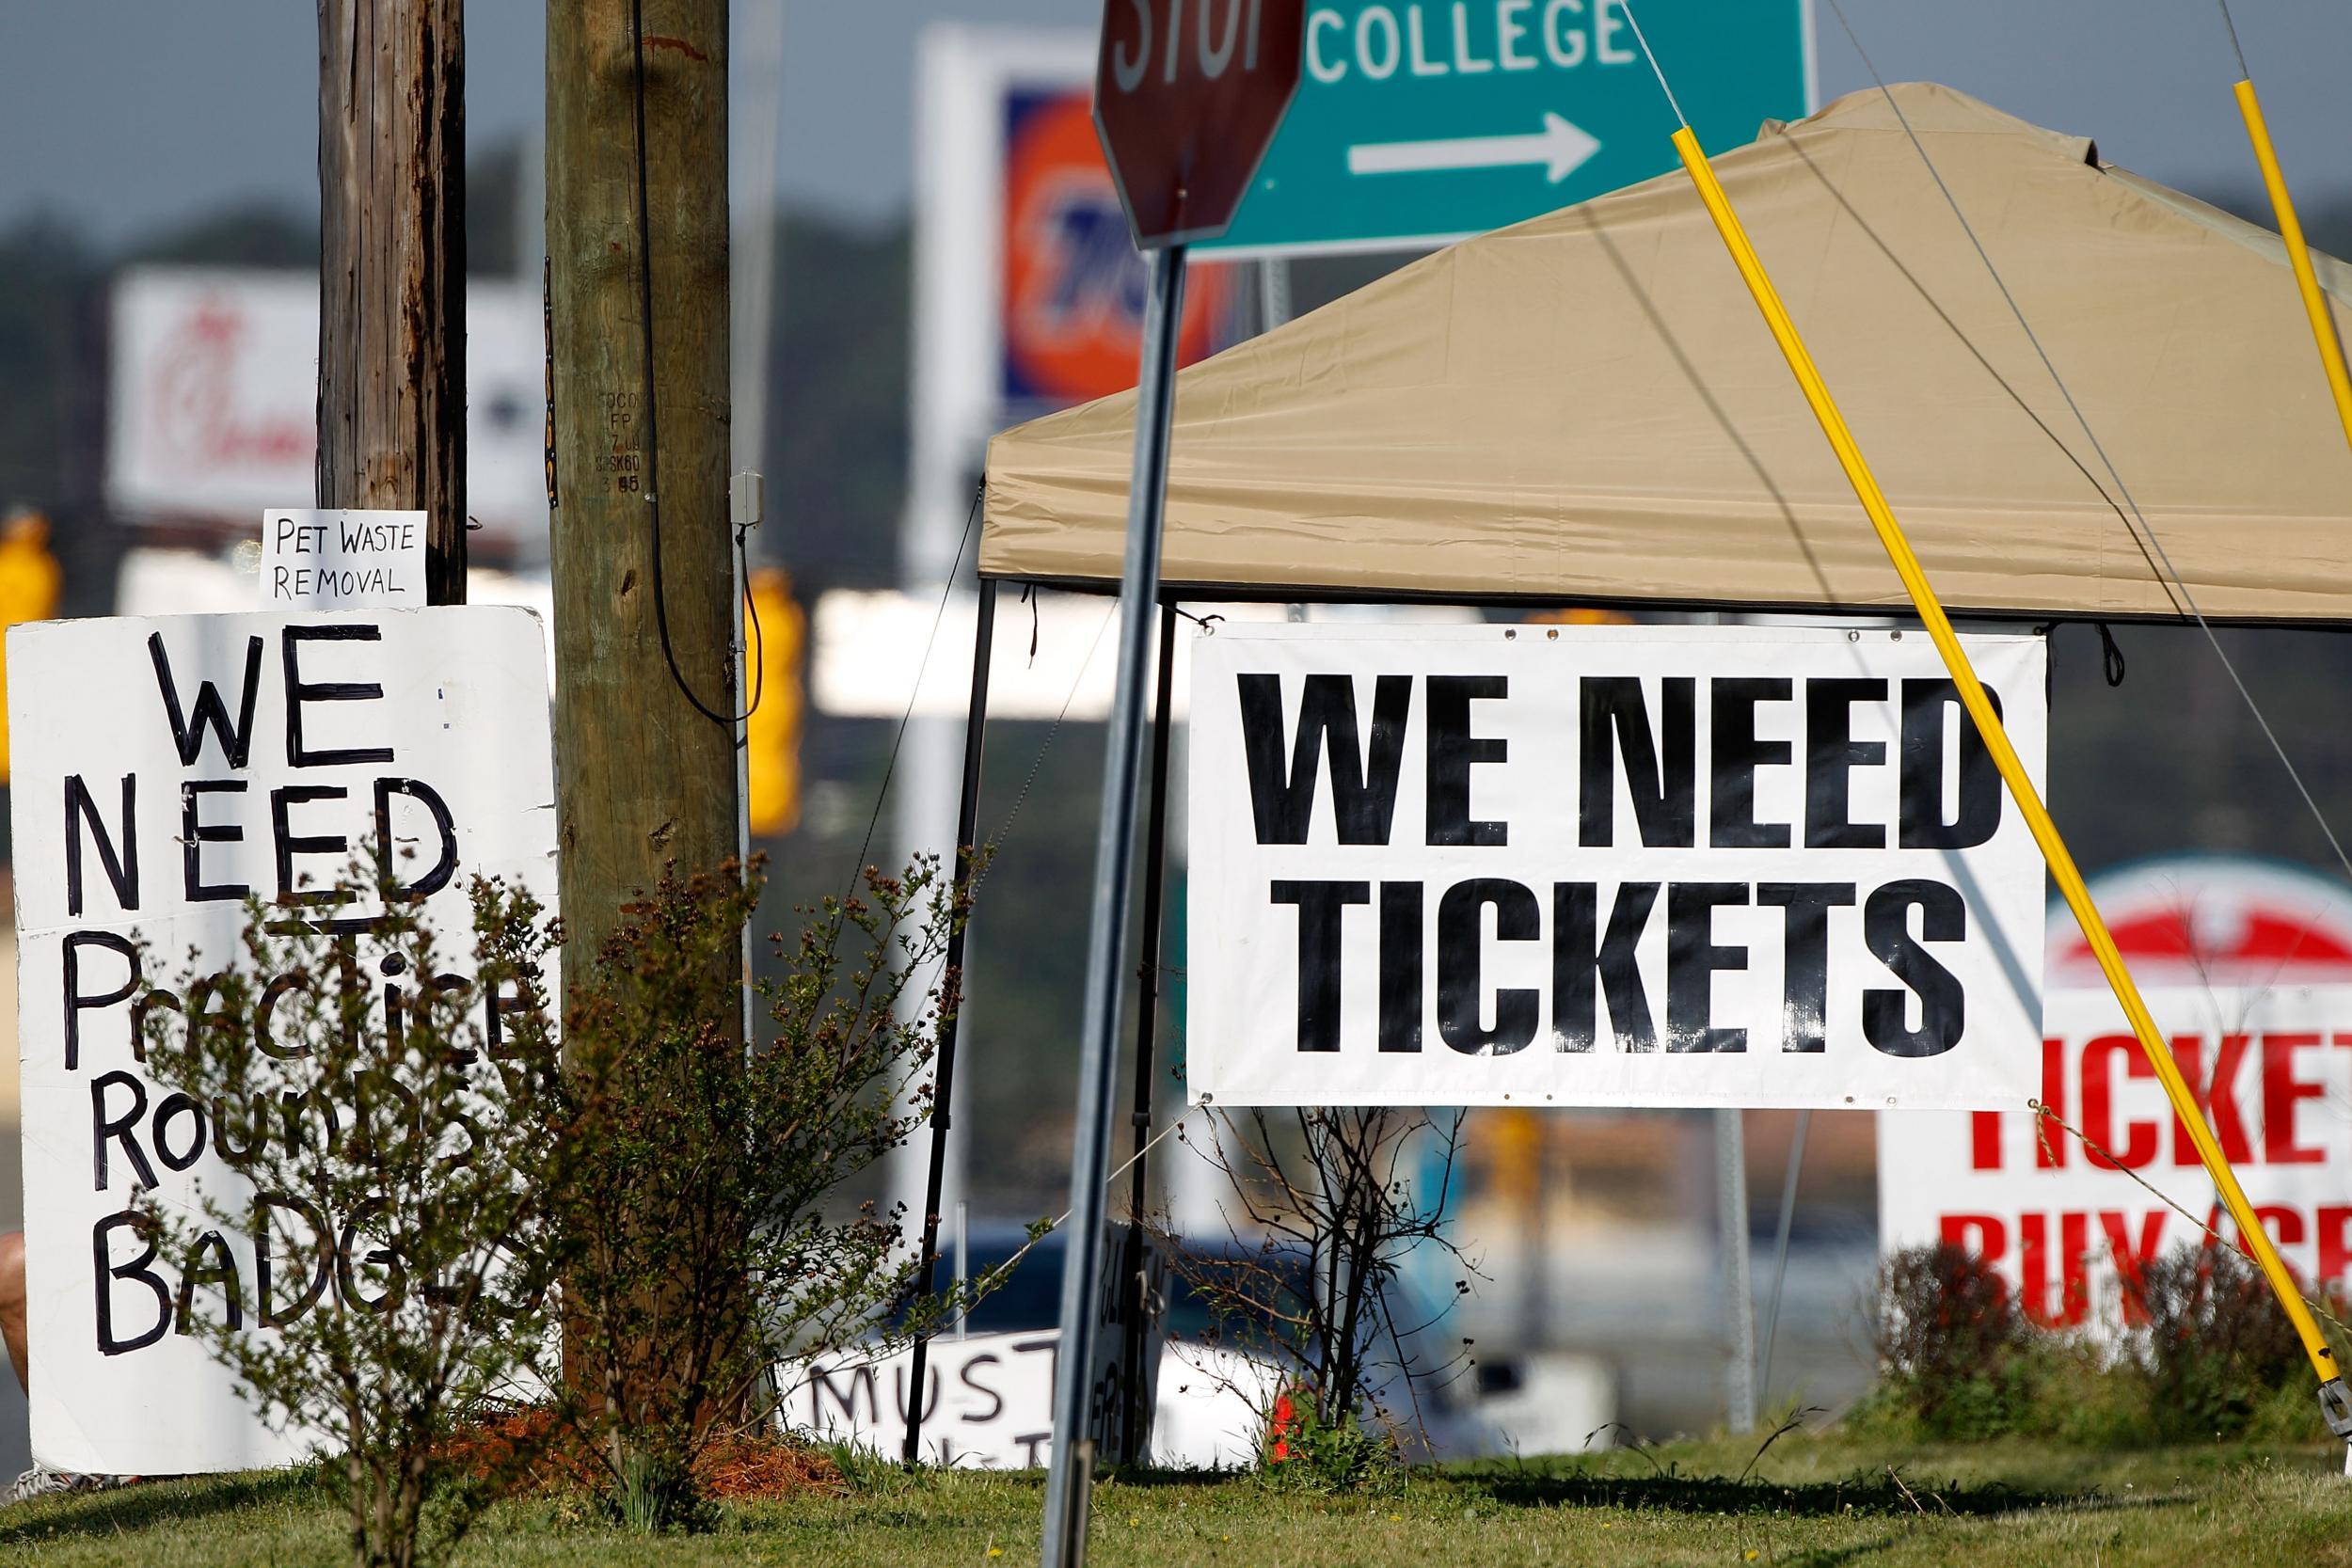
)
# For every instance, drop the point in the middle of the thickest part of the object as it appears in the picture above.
(165, 770)
(1603, 865)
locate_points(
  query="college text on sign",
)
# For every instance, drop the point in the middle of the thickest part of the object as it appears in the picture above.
(1608, 865)
(166, 770)
(2066, 1221)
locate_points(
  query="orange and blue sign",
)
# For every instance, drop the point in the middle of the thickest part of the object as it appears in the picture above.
(1073, 282)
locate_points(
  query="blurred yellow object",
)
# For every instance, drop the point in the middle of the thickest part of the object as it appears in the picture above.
(29, 580)
(1582, 615)
(772, 733)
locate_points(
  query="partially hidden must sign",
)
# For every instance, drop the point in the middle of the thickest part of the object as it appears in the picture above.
(1599, 866)
(342, 560)
(164, 769)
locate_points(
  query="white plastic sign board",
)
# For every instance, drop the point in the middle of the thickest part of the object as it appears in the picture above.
(346, 560)
(988, 1398)
(163, 769)
(988, 1401)
(1603, 865)
(2065, 1223)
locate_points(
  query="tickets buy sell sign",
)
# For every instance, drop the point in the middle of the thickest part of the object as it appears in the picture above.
(1600, 865)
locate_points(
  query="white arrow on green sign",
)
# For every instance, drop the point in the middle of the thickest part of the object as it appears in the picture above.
(1419, 121)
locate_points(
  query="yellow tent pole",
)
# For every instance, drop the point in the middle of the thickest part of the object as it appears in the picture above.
(2298, 253)
(1972, 694)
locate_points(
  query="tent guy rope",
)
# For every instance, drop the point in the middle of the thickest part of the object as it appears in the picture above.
(2334, 1403)
(2146, 532)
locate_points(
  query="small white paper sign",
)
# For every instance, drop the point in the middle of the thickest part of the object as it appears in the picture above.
(342, 559)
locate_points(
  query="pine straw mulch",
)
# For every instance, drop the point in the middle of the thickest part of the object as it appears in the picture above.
(542, 1463)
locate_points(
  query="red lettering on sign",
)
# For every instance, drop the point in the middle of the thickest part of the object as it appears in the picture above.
(2216, 1097)
(1982, 1236)
(2335, 1243)
(2132, 1254)
(2140, 1137)
(2282, 1092)
(1984, 1140)
(2074, 1292)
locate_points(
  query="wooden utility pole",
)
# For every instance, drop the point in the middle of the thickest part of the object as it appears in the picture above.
(393, 269)
(645, 684)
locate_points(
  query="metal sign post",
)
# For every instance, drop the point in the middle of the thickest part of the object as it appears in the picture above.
(1185, 115)
(1071, 1480)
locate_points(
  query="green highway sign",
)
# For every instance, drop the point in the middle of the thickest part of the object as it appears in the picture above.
(1419, 121)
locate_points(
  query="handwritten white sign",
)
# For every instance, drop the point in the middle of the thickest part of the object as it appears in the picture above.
(342, 560)
(168, 769)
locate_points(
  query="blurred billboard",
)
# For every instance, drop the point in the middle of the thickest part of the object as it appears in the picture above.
(213, 402)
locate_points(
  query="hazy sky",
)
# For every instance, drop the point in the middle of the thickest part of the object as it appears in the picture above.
(124, 116)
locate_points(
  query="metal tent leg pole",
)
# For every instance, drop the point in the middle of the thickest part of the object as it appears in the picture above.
(943, 1083)
(1147, 1027)
(1780, 1248)
(1731, 1187)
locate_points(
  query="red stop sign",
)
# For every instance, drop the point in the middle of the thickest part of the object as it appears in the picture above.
(1187, 95)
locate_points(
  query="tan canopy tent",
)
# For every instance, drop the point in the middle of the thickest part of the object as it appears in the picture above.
(1587, 406)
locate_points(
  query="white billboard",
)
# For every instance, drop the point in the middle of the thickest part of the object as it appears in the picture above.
(2065, 1221)
(1608, 865)
(212, 398)
(164, 769)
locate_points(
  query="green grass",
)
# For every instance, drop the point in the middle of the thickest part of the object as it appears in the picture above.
(1821, 1502)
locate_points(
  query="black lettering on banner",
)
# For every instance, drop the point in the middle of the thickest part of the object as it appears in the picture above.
(446, 864)
(322, 1242)
(210, 710)
(107, 1271)
(1453, 751)
(1831, 754)
(904, 1399)
(1804, 964)
(176, 1105)
(1581, 956)
(122, 1129)
(1943, 1002)
(204, 1018)
(1402, 990)
(1461, 989)
(1734, 753)
(300, 692)
(1320, 904)
(222, 1271)
(862, 1381)
(1363, 791)
(235, 1157)
(123, 868)
(153, 999)
(1692, 958)
(266, 1012)
(288, 843)
(995, 1400)
(1660, 771)
(194, 832)
(76, 1003)
(1925, 702)
(346, 1277)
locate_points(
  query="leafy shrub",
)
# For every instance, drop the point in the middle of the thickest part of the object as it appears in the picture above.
(2217, 1346)
(1305, 1453)
(1953, 1348)
(393, 1126)
(699, 1251)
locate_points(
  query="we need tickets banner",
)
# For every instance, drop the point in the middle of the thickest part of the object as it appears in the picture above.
(1608, 865)
(165, 770)
(2065, 1220)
